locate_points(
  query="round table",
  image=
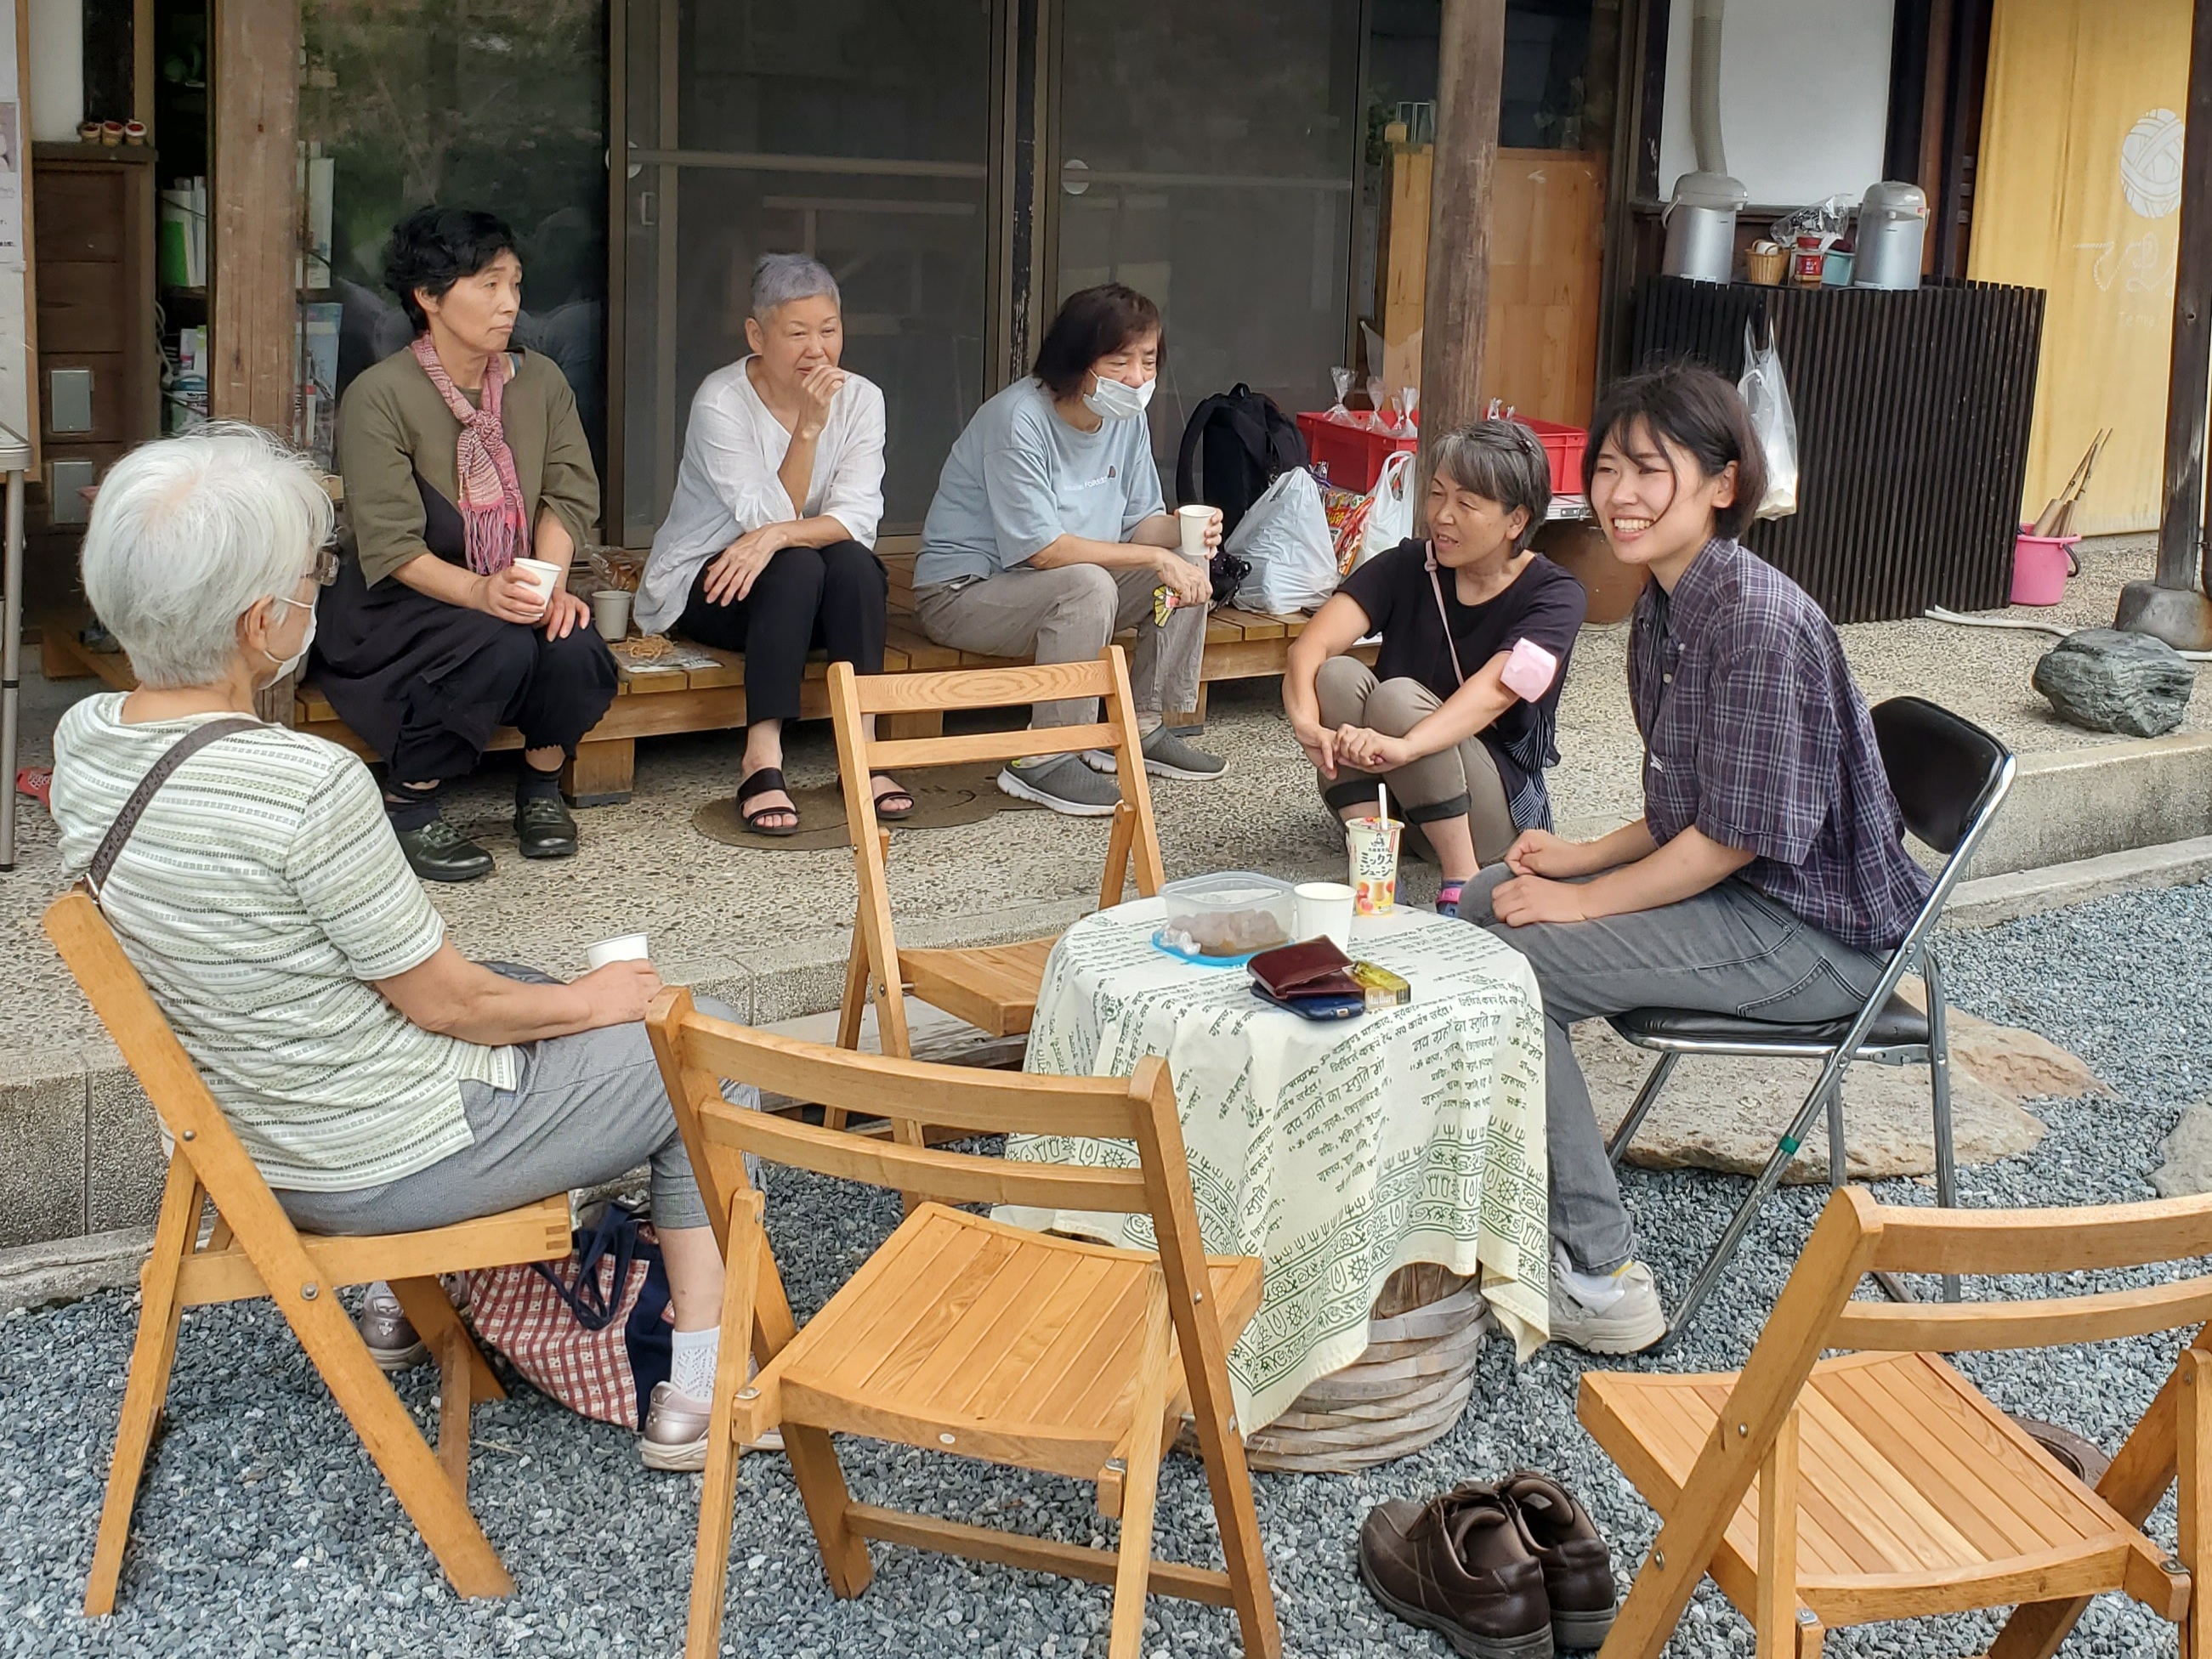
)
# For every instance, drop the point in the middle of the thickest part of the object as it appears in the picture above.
(1335, 1151)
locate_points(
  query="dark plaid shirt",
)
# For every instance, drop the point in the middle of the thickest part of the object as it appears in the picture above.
(1754, 732)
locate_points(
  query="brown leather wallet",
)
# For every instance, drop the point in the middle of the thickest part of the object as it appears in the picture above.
(1313, 969)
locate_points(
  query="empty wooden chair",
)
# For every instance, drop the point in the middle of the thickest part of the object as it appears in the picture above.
(255, 1251)
(992, 987)
(1883, 1485)
(961, 1334)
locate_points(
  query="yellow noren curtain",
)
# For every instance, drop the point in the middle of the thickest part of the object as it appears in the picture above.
(2078, 193)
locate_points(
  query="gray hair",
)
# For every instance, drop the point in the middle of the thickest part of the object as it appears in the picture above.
(780, 278)
(1501, 461)
(189, 533)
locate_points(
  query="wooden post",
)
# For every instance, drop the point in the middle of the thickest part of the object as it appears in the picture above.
(2174, 608)
(254, 305)
(1470, 73)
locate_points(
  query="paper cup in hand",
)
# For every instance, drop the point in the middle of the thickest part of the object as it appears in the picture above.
(1529, 671)
(1373, 844)
(1191, 521)
(631, 947)
(1324, 911)
(546, 575)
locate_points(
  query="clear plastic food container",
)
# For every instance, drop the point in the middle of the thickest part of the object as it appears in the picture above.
(1233, 914)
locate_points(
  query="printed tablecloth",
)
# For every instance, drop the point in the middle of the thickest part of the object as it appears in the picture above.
(1336, 1152)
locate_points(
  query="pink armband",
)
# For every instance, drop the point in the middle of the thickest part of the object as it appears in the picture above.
(1529, 671)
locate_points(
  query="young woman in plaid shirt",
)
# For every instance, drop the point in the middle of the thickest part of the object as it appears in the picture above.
(1767, 877)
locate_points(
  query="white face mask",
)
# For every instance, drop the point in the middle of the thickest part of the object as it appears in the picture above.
(1117, 400)
(291, 664)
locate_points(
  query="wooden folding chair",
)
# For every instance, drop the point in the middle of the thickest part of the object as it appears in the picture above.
(992, 987)
(1882, 1486)
(255, 1251)
(963, 1334)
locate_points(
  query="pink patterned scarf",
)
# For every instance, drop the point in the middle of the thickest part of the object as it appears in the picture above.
(496, 529)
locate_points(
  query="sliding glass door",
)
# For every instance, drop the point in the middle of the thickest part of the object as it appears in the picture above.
(1207, 156)
(857, 131)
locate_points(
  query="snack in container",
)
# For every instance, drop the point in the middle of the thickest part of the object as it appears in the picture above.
(1231, 914)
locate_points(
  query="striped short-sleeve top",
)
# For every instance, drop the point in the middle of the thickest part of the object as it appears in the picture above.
(261, 894)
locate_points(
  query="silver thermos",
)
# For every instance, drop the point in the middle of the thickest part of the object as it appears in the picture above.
(1892, 228)
(1701, 227)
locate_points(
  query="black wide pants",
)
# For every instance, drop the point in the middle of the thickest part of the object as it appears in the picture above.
(834, 597)
(427, 684)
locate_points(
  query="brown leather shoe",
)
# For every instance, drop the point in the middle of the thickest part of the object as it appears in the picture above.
(1577, 1567)
(1459, 1565)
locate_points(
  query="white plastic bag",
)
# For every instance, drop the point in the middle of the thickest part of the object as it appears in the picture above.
(1773, 422)
(1285, 535)
(1390, 508)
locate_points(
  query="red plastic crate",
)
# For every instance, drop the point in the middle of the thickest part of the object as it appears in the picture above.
(1354, 454)
(1563, 447)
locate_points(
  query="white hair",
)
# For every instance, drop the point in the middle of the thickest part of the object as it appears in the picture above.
(780, 278)
(189, 533)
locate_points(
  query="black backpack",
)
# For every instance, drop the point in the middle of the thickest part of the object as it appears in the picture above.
(1237, 444)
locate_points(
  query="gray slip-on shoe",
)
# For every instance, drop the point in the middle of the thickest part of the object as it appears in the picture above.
(1065, 784)
(1167, 755)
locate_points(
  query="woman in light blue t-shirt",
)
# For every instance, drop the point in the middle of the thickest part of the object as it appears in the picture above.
(1048, 535)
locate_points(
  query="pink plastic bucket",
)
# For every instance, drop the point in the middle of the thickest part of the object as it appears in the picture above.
(2039, 568)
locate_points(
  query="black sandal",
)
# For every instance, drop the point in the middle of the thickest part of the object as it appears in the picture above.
(896, 792)
(760, 783)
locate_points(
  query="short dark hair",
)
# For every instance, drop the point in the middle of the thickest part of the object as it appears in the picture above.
(1501, 461)
(1690, 405)
(1094, 323)
(434, 248)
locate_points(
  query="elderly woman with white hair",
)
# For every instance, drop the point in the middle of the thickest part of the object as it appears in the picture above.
(768, 545)
(382, 1081)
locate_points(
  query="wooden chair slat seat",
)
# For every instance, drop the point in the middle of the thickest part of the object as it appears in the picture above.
(1896, 1515)
(1881, 1484)
(963, 1334)
(994, 987)
(1007, 1341)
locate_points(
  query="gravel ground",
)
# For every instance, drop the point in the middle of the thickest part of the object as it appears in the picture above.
(262, 1529)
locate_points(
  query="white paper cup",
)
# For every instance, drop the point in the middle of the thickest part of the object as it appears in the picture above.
(1324, 911)
(1373, 846)
(1191, 521)
(547, 575)
(629, 947)
(610, 611)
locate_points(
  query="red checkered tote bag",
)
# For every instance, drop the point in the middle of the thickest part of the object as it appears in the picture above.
(591, 1332)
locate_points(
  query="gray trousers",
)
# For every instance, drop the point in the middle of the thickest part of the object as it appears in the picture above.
(1070, 613)
(1729, 950)
(584, 1109)
(1461, 781)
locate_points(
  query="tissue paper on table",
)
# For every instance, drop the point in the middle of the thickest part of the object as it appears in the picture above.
(1529, 670)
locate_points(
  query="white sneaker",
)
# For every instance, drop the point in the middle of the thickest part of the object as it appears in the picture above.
(1618, 1314)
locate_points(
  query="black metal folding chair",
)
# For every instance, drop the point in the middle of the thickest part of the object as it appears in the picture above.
(1949, 776)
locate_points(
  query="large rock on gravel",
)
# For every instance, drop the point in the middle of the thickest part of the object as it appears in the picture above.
(1720, 1113)
(2020, 1065)
(2188, 1167)
(2109, 680)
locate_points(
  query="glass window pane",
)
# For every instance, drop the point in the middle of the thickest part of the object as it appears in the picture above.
(501, 105)
(856, 131)
(1207, 157)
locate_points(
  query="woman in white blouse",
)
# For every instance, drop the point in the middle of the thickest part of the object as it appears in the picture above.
(767, 548)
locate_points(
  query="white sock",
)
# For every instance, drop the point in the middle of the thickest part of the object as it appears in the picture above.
(691, 1366)
(1596, 1291)
(1148, 723)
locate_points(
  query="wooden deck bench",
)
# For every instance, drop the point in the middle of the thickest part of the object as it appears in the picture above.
(1240, 645)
